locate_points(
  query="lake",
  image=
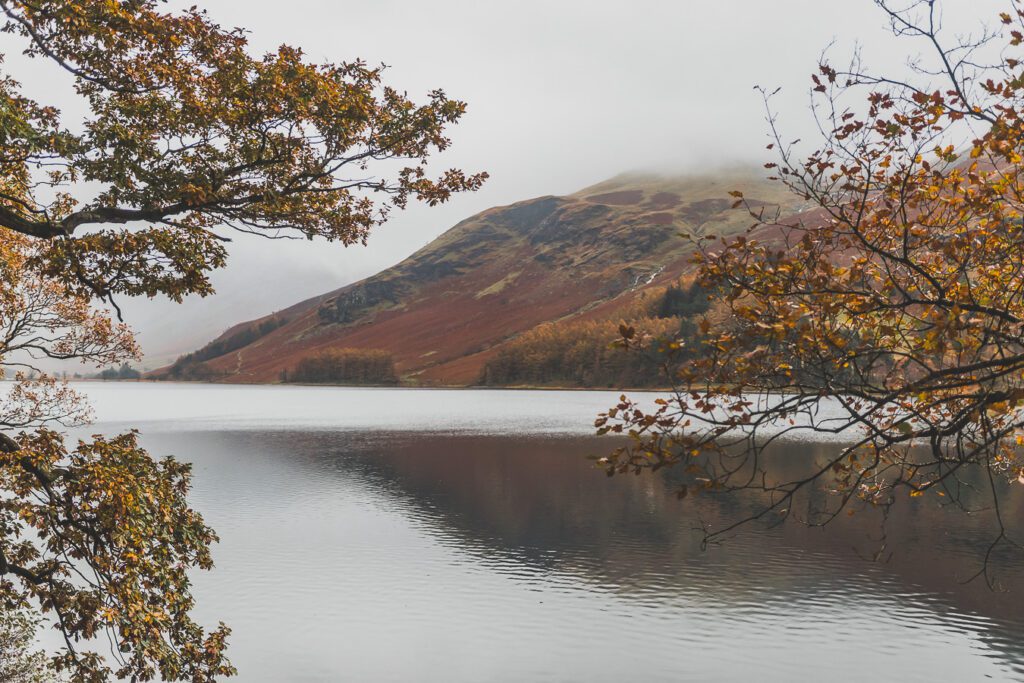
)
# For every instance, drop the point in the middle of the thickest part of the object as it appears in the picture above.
(436, 535)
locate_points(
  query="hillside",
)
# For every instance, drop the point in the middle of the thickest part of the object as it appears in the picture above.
(445, 310)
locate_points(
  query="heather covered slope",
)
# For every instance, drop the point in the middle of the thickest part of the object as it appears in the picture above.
(443, 311)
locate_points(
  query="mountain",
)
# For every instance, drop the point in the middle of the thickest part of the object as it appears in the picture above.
(445, 310)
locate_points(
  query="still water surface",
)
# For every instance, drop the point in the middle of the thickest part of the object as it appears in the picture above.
(389, 534)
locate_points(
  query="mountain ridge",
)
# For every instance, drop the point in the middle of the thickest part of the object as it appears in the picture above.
(444, 310)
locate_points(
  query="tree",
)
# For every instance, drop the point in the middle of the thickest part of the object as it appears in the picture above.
(579, 353)
(355, 366)
(892, 311)
(99, 536)
(187, 135)
(18, 662)
(126, 371)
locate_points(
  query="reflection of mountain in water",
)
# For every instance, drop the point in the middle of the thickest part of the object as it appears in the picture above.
(532, 507)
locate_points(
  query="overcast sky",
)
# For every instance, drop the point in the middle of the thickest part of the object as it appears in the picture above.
(561, 93)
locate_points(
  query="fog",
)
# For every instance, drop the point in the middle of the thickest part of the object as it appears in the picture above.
(561, 95)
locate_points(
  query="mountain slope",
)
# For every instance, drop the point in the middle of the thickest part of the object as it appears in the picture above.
(444, 311)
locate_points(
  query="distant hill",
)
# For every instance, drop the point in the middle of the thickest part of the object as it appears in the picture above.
(445, 311)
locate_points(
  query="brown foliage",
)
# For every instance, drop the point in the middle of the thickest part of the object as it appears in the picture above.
(189, 133)
(582, 354)
(98, 536)
(586, 353)
(346, 366)
(898, 304)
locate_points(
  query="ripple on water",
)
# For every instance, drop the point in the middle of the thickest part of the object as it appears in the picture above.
(363, 556)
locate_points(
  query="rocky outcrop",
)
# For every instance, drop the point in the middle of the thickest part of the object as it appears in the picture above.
(355, 302)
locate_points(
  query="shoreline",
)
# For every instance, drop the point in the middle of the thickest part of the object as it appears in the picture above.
(451, 387)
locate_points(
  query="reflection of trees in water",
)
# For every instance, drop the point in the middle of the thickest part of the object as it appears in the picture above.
(539, 494)
(931, 540)
(536, 502)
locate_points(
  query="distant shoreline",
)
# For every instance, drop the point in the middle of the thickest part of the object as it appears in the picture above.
(451, 387)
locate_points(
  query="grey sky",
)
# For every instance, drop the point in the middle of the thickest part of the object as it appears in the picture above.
(561, 94)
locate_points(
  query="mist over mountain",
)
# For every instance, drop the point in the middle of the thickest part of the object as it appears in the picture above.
(560, 96)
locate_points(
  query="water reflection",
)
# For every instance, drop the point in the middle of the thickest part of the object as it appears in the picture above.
(355, 556)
